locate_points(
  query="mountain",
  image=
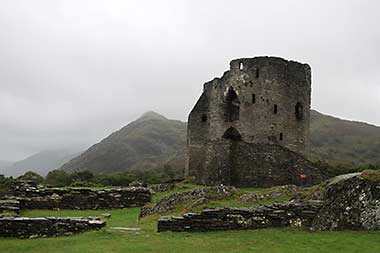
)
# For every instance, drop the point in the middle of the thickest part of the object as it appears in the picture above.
(342, 141)
(41, 163)
(150, 141)
(4, 165)
(154, 140)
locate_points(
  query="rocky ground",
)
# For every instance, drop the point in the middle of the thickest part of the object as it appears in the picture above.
(346, 202)
(349, 201)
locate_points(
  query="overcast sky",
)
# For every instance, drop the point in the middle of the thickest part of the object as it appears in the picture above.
(73, 71)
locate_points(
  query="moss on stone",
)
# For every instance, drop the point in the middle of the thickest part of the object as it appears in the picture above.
(371, 175)
(313, 192)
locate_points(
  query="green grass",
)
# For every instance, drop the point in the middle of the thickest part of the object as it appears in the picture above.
(371, 175)
(180, 188)
(266, 240)
(216, 201)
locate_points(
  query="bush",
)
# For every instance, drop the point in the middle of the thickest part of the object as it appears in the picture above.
(58, 178)
(32, 176)
(84, 184)
(5, 184)
(82, 176)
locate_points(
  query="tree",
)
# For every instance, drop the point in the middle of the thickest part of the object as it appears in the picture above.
(82, 176)
(32, 176)
(58, 178)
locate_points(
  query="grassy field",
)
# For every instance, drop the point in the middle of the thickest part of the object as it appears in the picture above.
(267, 240)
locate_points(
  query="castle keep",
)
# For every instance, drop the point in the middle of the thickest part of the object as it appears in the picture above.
(251, 126)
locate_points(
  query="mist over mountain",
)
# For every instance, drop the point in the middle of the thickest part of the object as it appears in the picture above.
(153, 140)
(150, 141)
(41, 163)
(4, 165)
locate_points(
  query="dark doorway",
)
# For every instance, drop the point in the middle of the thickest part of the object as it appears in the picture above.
(232, 134)
(232, 105)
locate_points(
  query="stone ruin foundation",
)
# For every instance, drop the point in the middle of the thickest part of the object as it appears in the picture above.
(276, 215)
(47, 227)
(30, 196)
(350, 201)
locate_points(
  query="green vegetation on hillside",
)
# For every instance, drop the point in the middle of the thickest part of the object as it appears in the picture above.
(153, 141)
(343, 142)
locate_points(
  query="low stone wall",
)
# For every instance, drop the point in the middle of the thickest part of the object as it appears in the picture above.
(81, 199)
(162, 187)
(12, 206)
(276, 215)
(46, 227)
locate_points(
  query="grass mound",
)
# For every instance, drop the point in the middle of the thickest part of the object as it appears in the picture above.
(371, 175)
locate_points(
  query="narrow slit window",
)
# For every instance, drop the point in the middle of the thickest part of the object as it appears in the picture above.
(299, 111)
(204, 118)
(275, 109)
(253, 99)
(257, 73)
(241, 66)
(281, 137)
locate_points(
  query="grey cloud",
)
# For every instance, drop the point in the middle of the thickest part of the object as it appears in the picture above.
(73, 71)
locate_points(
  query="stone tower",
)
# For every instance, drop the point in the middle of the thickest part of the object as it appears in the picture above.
(249, 126)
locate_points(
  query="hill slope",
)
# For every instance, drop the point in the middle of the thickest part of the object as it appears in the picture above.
(148, 142)
(154, 140)
(343, 142)
(41, 163)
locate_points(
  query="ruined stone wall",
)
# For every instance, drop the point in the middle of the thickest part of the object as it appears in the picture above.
(46, 227)
(276, 215)
(256, 165)
(82, 199)
(9, 206)
(261, 100)
(272, 81)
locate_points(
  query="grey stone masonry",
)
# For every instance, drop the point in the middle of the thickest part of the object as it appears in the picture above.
(276, 215)
(259, 101)
(46, 227)
(82, 199)
(9, 205)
